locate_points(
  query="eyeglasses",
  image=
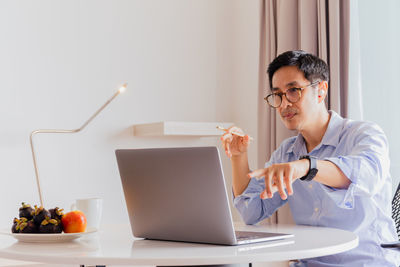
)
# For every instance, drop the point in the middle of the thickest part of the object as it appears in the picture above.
(292, 95)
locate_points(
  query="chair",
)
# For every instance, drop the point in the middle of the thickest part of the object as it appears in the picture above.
(396, 209)
(396, 218)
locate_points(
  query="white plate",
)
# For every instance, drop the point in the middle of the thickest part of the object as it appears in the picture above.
(46, 238)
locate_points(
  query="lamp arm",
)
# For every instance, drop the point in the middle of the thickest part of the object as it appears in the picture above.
(63, 131)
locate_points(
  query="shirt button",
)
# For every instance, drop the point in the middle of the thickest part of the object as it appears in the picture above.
(316, 209)
(310, 186)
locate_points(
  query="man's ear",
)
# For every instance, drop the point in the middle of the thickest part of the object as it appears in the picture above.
(322, 91)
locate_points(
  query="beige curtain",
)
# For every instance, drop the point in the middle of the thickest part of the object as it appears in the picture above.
(320, 27)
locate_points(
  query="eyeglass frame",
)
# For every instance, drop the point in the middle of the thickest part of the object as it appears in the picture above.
(281, 94)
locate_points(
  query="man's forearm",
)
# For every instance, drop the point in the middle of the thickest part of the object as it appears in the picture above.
(240, 169)
(329, 174)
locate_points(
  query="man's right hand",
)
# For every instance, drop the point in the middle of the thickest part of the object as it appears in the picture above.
(233, 144)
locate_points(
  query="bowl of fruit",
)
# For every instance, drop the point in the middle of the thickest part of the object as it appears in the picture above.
(37, 224)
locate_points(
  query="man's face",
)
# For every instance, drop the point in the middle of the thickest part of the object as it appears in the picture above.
(295, 116)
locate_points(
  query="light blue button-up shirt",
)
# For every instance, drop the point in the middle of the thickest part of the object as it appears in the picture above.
(360, 150)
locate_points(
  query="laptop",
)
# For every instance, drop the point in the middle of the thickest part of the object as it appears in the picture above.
(179, 194)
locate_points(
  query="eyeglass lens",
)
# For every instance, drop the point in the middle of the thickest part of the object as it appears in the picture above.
(292, 95)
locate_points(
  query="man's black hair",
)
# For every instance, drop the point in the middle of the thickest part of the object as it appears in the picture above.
(312, 66)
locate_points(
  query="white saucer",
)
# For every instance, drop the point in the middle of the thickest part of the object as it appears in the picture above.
(47, 238)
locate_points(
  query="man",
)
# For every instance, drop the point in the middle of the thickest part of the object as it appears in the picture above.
(334, 173)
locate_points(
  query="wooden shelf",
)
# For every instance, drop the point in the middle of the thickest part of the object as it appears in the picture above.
(177, 128)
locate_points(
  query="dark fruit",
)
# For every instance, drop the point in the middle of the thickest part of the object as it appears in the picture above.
(40, 214)
(56, 213)
(38, 220)
(15, 226)
(25, 211)
(50, 226)
(28, 227)
(59, 227)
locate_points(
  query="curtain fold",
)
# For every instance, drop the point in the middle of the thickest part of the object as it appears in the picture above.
(320, 27)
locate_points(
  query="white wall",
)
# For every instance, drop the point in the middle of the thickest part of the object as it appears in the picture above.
(380, 69)
(60, 60)
(238, 33)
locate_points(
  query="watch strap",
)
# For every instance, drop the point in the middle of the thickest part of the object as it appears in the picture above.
(312, 171)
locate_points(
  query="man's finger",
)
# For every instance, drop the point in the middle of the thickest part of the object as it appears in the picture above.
(225, 136)
(264, 195)
(246, 140)
(228, 150)
(257, 173)
(273, 189)
(281, 188)
(226, 140)
(234, 129)
(288, 181)
(268, 184)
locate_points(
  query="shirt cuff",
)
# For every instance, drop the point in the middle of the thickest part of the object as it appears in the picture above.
(343, 198)
(253, 184)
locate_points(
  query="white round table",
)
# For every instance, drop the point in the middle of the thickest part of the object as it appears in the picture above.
(115, 245)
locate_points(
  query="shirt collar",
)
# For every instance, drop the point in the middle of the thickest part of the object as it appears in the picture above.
(297, 144)
(331, 136)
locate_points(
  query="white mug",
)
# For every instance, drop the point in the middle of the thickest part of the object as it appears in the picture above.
(92, 208)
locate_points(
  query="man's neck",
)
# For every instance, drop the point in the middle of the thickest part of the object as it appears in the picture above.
(314, 133)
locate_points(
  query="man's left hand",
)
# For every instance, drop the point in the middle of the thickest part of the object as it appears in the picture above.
(279, 177)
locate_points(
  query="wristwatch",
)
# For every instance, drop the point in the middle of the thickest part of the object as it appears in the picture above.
(312, 171)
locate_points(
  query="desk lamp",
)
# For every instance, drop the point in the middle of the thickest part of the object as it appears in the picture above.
(120, 90)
